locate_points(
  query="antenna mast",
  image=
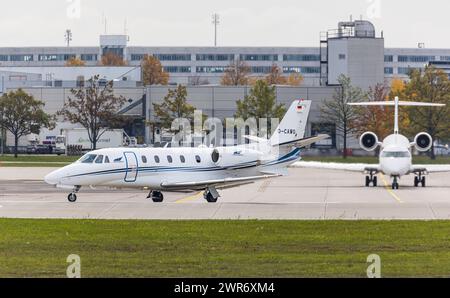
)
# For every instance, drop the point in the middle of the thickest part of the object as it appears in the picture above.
(215, 22)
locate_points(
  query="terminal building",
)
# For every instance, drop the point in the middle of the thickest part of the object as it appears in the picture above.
(354, 49)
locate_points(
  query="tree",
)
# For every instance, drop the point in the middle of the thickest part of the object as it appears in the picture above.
(338, 111)
(23, 115)
(377, 119)
(260, 103)
(275, 76)
(111, 59)
(153, 72)
(236, 74)
(429, 85)
(75, 62)
(295, 79)
(174, 106)
(95, 107)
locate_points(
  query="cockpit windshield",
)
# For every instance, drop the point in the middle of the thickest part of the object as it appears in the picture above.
(88, 158)
(397, 154)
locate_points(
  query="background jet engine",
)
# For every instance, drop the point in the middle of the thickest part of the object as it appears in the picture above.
(369, 141)
(423, 142)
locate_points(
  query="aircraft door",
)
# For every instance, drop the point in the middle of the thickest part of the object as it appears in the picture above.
(132, 167)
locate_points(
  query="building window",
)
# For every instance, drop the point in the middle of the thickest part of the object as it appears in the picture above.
(20, 58)
(214, 57)
(416, 59)
(56, 57)
(445, 58)
(388, 70)
(261, 69)
(301, 69)
(259, 57)
(89, 57)
(177, 69)
(342, 56)
(137, 57)
(3, 57)
(388, 58)
(304, 57)
(406, 70)
(173, 57)
(211, 69)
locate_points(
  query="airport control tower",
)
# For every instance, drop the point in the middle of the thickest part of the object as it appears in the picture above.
(355, 51)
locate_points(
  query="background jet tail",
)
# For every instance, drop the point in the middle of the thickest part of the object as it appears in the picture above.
(293, 126)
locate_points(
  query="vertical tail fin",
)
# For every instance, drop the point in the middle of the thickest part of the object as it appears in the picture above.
(293, 126)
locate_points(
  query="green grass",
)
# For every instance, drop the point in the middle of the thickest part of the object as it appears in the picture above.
(39, 248)
(374, 160)
(39, 158)
(36, 161)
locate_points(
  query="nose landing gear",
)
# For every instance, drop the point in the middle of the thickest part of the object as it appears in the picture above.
(72, 197)
(395, 184)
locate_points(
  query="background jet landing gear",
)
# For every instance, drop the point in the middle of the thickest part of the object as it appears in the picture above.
(72, 197)
(156, 196)
(371, 179)
(395, 183)
(419, 179)
(211, 195)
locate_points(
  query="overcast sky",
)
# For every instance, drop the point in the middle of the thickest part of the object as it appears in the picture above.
(243, 22)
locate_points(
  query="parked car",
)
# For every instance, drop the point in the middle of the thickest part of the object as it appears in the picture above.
(441, 150)
(39, 149)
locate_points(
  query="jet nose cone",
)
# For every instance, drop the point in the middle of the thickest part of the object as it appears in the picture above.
(52, 178)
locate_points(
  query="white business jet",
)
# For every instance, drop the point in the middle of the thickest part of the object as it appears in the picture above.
(395, 158)
(191, 169)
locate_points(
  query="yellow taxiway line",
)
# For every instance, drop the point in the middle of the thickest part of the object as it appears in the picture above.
(389, 190)
(190, 198)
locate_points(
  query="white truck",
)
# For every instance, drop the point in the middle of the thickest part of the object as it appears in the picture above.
(79, 137)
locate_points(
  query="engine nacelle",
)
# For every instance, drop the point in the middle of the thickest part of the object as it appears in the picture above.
(423, 142)
(369, 141)
(230, 157)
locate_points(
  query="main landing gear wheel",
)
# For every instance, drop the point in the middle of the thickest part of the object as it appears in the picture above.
(371, 180)
(420, 180)
(156, 196)
(211, 195)
(72, 197)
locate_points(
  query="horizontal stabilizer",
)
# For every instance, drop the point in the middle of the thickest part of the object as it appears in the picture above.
(400, 103)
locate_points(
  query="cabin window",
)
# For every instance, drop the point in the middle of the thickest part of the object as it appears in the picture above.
(157, 159)
(182, 159)
(144, 159)
(106, 159)
(198, 159)
(99, 159)
(89, 158)
(169, 159)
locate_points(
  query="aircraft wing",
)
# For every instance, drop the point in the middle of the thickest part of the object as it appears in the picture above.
(431, 168)
(349, 167)
(219, 183)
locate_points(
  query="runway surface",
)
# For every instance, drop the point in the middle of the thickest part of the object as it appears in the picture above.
(304, 194)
